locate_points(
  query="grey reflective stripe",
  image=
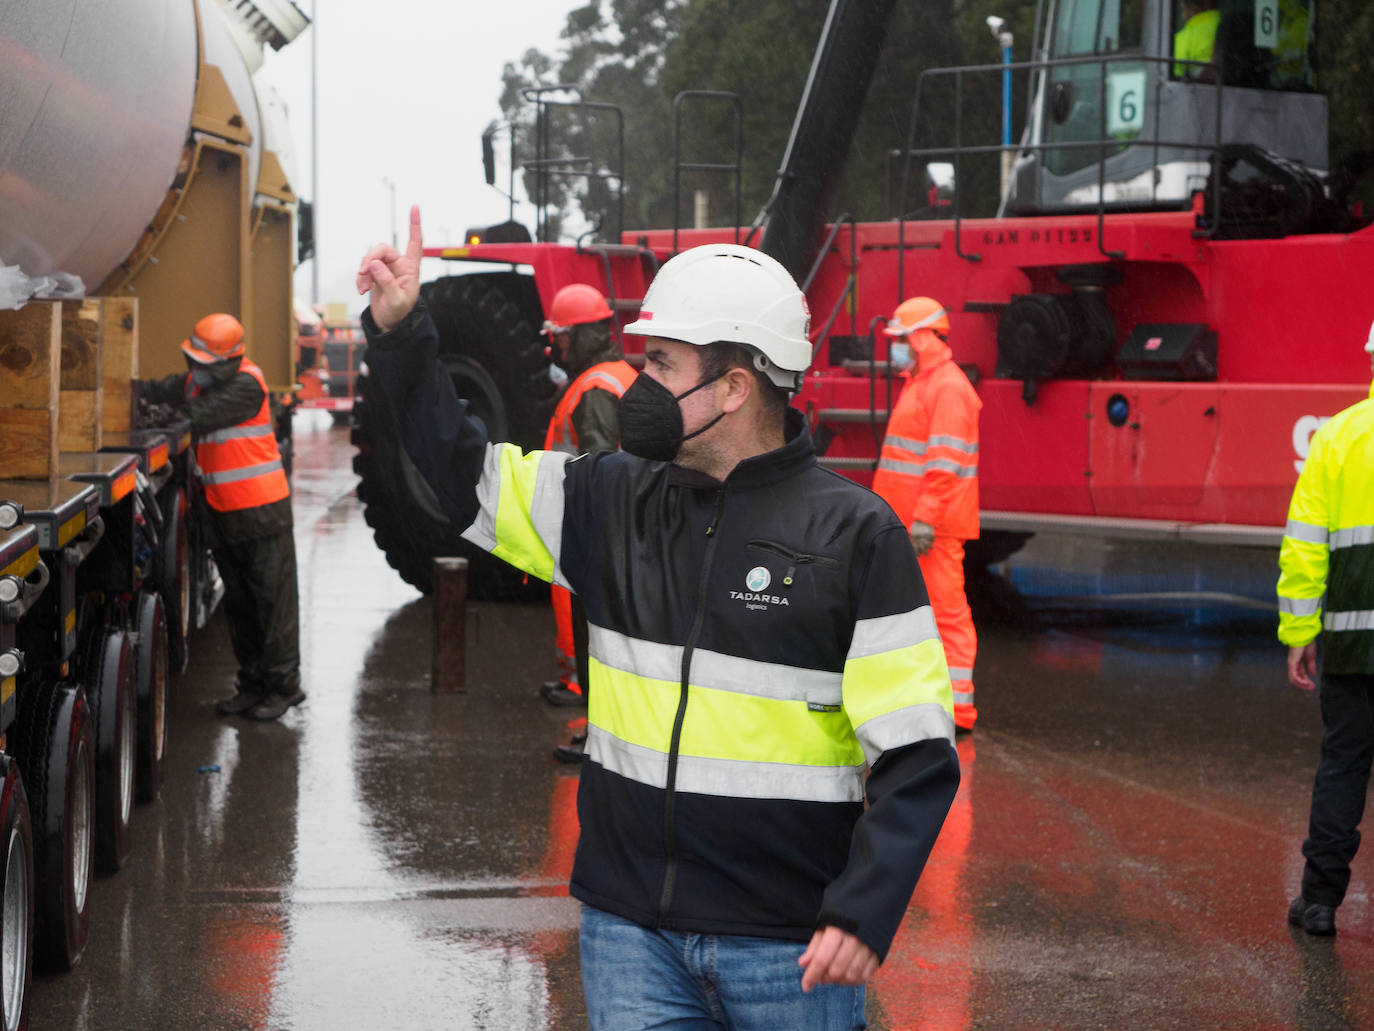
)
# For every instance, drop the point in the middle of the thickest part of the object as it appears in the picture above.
(714, 669)
(909, 468)
(1356, 619)
(889, 633)
(957, 443)
(963, 697)
(1352, 537)
(1305, 532)
(610, 381)
(948, 465)
(730, 778)
(960, 673)
(482, 530)
(916, 447)
(925, 722)
(245, 473)
(238, 433)
(1300, 606)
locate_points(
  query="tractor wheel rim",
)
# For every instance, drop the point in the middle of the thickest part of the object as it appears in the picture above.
(128, 745)
(14, 943)
(81, 830)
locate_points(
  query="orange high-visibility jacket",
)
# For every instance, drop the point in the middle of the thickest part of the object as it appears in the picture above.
(928, 470)
(240, 466)
(614, 377)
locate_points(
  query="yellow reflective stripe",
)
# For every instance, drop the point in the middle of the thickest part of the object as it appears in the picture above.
(70, 623)
(728, 778)
(719, 724)
(6, 690)
(876, 685)
(714, 669)
(520, 518)
(23, 565)
(886, 633)
(71, 528)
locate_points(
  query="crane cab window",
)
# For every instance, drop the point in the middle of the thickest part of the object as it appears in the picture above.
(1256, 44)
(1096, 27)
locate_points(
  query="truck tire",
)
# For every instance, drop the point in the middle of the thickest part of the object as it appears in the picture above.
(174, 580)
(114, 714)
(992, 546)
(16, 899)
(56, 750)
(150, 690)
(489, 344)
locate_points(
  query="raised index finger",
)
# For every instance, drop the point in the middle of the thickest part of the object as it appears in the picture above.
(415, 248)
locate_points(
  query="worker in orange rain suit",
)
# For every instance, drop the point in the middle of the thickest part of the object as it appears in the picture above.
(928, 473)
(587, 419)
(249, 501)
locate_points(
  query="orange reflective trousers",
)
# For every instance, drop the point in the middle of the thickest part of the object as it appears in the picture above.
(942, 568)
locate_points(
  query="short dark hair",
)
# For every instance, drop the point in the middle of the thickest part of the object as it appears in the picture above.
(720, 357)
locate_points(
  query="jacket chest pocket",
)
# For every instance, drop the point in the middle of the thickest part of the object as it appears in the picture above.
(782, 566)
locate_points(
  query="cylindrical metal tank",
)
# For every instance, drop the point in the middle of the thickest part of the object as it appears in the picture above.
(96, 103)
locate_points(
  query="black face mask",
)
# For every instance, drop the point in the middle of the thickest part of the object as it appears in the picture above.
(651, 421)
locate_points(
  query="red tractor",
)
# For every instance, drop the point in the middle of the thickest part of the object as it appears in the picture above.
(1169, 301)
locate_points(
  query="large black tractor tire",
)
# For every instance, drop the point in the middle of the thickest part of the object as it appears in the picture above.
(173, 568)
(150, 690)
(56, 748)
(490, 345)
(16, 899)
(114, 713)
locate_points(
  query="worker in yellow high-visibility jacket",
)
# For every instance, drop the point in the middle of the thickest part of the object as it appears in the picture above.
(1326, 589)
(1197, 39)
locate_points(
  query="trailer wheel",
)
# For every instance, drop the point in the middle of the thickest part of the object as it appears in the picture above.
(56, 750)
(489, 344)
(174, 581)
(114, 712)
(16, 899)
(992, 546)
(150, 689)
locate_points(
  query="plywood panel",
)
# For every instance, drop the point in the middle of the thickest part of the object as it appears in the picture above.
(30, 352)
(119, 363)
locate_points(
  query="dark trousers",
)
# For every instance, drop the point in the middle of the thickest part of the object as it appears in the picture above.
(261, 606)
(1333, 835)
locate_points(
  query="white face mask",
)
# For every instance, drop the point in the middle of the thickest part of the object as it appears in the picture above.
(899, 355)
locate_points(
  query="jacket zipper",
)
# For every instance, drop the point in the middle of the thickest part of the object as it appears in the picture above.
(794, 558)
(670, 794)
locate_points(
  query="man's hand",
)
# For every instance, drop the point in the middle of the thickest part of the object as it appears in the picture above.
(922, 537)
(1302, 666)
(393, 277)
(836, 957)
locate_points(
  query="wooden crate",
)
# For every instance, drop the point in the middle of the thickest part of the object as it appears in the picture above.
(119, 363)
(80, 396)
(30, 382)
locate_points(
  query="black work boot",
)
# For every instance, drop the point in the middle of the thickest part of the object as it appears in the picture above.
(556, 693)
(572, 753)
(247, 693)
(273, 705)
(1312, 917)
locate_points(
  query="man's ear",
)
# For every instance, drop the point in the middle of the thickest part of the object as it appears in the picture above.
(739, 387)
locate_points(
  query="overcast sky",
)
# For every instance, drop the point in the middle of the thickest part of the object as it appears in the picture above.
(405, 89)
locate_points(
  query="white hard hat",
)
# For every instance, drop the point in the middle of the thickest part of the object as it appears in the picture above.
(1369, 344)
(725, 292)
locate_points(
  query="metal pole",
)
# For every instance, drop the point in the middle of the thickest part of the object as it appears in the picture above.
(1006, 41)
(450, 599)
(314, 150)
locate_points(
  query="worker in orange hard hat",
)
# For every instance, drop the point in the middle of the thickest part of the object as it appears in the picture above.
(928, 473)
(249, 500)
(586, 419)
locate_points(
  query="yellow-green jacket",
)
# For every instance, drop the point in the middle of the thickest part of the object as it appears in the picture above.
(1326, 562)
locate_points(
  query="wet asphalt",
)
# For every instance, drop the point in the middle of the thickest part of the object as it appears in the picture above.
(1120, 854)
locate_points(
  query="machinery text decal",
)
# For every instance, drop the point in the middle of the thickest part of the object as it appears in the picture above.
(1302, 436)
(1017, 237)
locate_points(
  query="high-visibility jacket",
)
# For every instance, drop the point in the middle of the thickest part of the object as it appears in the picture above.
(240, 466)
(1196, 41)
(1326, 561)
(928, 469)
(612, 377)
(755, 644)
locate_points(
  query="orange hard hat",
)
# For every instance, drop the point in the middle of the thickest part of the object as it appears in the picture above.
(918, 313)
(574, 305)
(215, 338)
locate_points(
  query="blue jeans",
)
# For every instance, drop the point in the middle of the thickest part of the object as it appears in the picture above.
(636, 979)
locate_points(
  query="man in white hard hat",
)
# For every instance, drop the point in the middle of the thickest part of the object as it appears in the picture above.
(1326, 589)
(759, 638)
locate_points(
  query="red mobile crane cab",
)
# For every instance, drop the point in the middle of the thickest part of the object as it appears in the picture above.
(1169, 301)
